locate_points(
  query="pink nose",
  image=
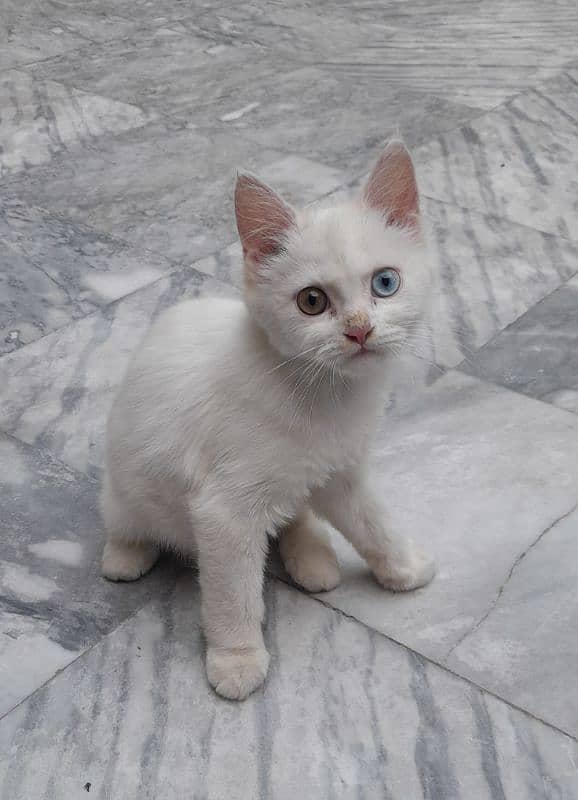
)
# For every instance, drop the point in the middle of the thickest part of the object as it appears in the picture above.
(359, 334)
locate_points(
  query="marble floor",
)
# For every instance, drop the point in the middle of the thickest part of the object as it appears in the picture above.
(121, 125)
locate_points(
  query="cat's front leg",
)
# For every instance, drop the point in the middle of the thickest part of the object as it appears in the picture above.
(231, 559)
(351, 505)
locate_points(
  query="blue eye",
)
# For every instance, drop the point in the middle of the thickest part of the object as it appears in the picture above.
(386, 282)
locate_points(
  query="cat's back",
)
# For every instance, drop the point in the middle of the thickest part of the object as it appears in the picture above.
(194, 321)
(189, 337)
(175, 364)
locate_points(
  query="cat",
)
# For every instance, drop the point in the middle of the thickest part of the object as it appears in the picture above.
(240, 419)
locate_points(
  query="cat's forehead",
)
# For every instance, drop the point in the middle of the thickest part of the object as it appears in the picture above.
(350, 238)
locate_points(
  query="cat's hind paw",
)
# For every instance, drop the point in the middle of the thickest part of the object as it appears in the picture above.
(308, 556)
(319, 572)
(127, 561)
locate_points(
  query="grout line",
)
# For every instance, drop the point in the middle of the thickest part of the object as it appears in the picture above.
(340, 612)
(482, 379)
(51, 455)
(87, 42)
(430, 660)
(80, 655)
(462, 365)
(501, 217)
(100, 309)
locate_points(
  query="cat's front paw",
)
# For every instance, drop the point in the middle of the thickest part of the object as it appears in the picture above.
(408, 569)
(236, 673)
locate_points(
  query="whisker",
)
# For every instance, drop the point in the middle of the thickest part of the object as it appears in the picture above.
(307, 385)
(321, 377)
(289, 360)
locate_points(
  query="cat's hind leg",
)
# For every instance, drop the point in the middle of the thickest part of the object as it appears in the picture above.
(308, 555)
(125, 560)
(126, 556)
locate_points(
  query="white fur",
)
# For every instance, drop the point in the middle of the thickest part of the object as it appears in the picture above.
(237, 419)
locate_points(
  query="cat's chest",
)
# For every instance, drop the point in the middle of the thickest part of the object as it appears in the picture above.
(287, 451)
(293, 473)
(317, 451)
(331, 437)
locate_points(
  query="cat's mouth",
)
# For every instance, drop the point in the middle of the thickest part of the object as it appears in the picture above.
(364, 352)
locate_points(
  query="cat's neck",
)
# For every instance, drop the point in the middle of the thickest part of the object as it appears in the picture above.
(305, 387)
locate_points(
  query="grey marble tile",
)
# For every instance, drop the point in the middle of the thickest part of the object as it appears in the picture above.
(145, 13)
(301, 180)
(242, 87)
(456, 64)
(488, 273)
(25, 38)
(161, 68)
(525, 636)
(305, 34)
(53, 271)
(225, 264)
(42, 118)
(474, 53)
(339, 121)
(344, 713)
(31, 30)
(538, 354)
(519, 161)
(70, 376)
(90, 19)
(53, 602)
(476, 474)
(165, 187)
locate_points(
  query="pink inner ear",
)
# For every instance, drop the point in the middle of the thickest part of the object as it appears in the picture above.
(262, 218)
(392, 187)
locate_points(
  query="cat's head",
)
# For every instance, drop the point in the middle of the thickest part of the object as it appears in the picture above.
(345, 286)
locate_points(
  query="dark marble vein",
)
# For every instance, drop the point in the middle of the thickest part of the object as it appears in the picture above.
(432, 758)
(490, 762)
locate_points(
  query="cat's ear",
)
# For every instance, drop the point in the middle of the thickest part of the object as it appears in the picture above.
(263, 220)
(392, 187)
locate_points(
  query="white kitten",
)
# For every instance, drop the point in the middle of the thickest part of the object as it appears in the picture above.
(238, 419)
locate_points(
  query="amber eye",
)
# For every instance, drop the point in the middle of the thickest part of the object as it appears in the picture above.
(312, 301)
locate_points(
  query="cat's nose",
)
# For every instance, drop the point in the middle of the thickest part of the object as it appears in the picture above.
(359, 333)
